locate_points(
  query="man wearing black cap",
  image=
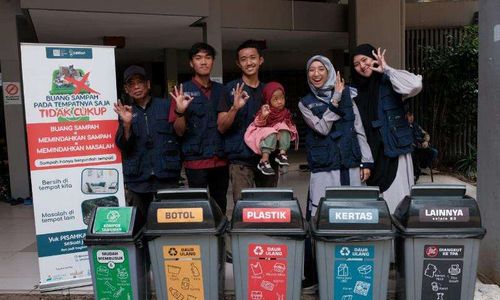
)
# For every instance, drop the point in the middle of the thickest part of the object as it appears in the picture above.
(147, 141)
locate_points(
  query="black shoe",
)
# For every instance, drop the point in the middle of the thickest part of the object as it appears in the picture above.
(282, 159)
(265, 168)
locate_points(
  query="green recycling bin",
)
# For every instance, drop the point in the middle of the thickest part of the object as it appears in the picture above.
(353, 236)
(438, 245)
(116, 253)
(267, 238)
(185, 230)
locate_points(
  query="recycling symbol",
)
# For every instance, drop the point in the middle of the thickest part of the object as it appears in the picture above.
(258, 250)
(345, 251)
(172, 252)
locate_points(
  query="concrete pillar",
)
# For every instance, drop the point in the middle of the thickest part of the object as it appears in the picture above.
(15, 125)
(488, 139)
(212, 34)
(170, 69)
(380, 23)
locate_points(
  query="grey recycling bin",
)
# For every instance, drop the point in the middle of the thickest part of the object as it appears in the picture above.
(437, 251)
(117, 254)
(267, 238)
(353, 236)
(185, 230)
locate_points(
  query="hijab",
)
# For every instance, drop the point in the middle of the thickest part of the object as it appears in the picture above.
(325, 92)
(276, 115)
(385, 168)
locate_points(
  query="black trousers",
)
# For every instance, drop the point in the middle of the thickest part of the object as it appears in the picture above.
(216, 179)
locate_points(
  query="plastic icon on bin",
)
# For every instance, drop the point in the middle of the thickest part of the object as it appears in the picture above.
(173, 269)
(365, 269)
(256, 268)
(279, 267)
(195, 270)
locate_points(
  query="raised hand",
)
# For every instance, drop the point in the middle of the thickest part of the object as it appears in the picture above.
(124, 112)
(339, 83)
(182, 101)
(266, 110)
(379, 65)
(240, 96)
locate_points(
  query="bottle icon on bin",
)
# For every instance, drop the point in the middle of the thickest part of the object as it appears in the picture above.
(195, 270)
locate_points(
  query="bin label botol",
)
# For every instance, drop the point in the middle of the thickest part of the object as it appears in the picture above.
(353, 272)
(183, 272)
(267, 271)
(112, 273)
(442, 272)
(179, 215)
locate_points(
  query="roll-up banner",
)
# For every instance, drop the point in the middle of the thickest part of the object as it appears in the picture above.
(69, 92)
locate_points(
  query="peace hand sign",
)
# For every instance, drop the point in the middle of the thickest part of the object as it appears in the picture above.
(339, 83)
(240, 96)
(380, 61)
(182, 101)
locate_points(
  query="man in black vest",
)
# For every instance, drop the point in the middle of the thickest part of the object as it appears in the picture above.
(147, 141)
(194, 113)
(240, 101)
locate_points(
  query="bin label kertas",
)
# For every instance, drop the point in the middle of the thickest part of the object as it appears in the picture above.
(444, 214)
(352, 215)
(180, 215)
(267, 215)
(183, 272)
(267, 271)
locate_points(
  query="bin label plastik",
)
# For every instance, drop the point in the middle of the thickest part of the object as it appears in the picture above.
(267, 215)
(442, 275)
(183, 272)
(112, 273)
(444, 214)
(180, 215)
(353, 272)
(112, 220)
(353, 215)
(267, 271)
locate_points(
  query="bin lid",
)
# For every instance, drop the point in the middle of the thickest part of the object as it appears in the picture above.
(352, 211)
(114, 225)
(269, 211)
(184, 211)
(438, 209)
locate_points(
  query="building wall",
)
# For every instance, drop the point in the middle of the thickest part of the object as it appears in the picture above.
(440, 14)
(488, 139)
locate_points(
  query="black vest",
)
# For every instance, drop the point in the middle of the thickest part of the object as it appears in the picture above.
(340, 147)
(202, 140)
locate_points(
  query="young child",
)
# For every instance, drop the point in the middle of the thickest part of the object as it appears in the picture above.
(273, 123)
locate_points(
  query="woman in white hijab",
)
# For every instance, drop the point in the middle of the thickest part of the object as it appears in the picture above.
(337, 150)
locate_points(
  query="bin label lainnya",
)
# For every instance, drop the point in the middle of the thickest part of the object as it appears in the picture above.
(267, 271)
(444, 214)
(183, 271)
(442, 272)
(112, 273)
(353, 272)
(180, 215)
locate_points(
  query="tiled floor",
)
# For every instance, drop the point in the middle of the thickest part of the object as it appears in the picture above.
(18, 256)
